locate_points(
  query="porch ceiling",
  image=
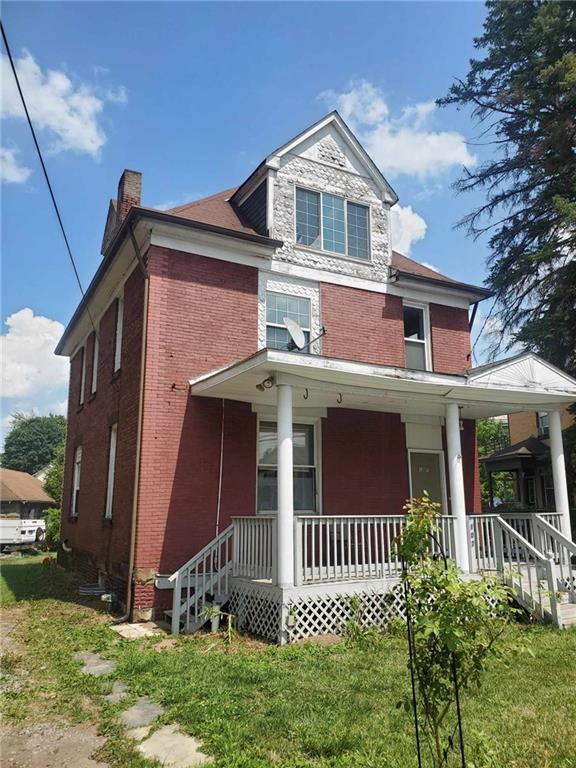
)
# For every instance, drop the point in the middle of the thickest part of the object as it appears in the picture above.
(324, 382)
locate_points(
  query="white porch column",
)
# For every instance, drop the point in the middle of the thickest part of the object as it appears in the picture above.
(559, 471)
(285, 522)
(456, 474)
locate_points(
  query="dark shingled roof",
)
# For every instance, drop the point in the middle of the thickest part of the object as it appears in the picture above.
(531, 447)
(217, 210)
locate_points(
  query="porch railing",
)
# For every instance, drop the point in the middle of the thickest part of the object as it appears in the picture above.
(255, 547)
(340, 548)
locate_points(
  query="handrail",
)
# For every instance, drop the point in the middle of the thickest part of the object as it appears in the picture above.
(199, 555)
(557, 534)
(545, 562)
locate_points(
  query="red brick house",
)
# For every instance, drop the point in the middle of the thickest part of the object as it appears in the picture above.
(203, 446)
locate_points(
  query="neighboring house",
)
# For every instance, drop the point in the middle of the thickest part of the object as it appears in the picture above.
(196, 430)
(22, 495)
(528, 460)
(41, 473)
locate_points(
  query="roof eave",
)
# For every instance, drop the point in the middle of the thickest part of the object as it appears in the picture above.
(476, 291)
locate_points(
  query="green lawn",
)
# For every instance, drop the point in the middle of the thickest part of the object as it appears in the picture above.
(256, 705)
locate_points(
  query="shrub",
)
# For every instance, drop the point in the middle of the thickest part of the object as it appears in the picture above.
(53, 526)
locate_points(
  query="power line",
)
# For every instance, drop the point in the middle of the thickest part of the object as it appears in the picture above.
(39, 151)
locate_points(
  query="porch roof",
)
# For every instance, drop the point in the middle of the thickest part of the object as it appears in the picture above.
(524, 382)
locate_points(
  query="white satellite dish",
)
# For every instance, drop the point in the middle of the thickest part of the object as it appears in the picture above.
(298, 339)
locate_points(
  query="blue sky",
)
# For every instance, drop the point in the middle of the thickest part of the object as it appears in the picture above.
(194, 95)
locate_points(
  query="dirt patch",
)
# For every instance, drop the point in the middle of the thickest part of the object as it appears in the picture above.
(50, 745)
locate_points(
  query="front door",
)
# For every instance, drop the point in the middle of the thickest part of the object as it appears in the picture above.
(427, 474)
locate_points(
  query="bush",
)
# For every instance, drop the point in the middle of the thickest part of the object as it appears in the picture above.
(53, 527)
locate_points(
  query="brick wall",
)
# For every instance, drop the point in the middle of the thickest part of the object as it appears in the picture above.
(202, 315)
(364, 463)
(362, 325)
(98, 544)
(450, 339)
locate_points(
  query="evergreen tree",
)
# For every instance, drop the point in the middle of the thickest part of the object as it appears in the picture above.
(522, 92)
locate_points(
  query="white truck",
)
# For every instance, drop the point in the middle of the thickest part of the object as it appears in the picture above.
(15, 532)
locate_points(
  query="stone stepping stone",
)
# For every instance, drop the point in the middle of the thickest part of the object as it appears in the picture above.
(173, 749)
(138, 734)
(94, 664)
(117, 694)
(143, 712)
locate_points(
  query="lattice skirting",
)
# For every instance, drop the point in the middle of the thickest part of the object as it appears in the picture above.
(284, 617)
(313, 615)
(258, 610)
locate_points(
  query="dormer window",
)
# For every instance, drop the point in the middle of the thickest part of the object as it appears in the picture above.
(333, 224)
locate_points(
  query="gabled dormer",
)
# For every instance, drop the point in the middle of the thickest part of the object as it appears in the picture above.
(325, 199)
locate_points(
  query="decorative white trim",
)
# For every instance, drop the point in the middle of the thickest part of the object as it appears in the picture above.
(290, 287)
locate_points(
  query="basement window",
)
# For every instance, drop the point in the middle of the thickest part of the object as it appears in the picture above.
(304, 459)
(416, 337)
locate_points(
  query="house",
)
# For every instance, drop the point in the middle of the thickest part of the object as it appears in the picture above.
(527, 459)
(22, 495)
(208, 458)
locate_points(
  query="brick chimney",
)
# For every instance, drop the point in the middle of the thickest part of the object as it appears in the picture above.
(129, 192)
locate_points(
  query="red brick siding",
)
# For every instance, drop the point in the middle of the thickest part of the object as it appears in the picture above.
(202, 315)
(99, 545)
(362, 325)
(450, 339)
(364, 463)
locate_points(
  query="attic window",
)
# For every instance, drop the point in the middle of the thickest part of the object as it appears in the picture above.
(332, 223)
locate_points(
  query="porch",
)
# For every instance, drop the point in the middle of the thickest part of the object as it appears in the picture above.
(288, 575)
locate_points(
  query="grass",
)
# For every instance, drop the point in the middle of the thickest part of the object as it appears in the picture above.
(255, 705)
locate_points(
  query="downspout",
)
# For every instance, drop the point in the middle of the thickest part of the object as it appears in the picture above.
(134, 521)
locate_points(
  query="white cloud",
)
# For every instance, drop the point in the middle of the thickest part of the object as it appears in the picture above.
(10, 169)
(408, 227)
(401, 144)
(30, 369)
(69, 112)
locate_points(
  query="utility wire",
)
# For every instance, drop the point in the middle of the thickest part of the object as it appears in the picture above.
(39, 151)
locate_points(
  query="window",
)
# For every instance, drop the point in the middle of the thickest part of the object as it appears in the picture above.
(344, 225)
(543, 427)
(111, 471)
(118, 339)
(279, 306)
(415, 337)
(307, 217)
(305, 494)
(95, 353)
(82, 376)
(76, 480)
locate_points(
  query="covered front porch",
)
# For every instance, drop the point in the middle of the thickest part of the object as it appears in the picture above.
(289, 557)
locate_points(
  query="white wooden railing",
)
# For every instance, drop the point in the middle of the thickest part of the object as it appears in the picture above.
(528, 572)
(205, 575)
(482, 537)
(339, 548)
(255, 547)
(563, 551)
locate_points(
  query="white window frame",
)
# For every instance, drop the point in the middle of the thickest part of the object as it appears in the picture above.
(321, 248)
(112, 444)
(95, 356)
(82, 375)
(288, 286)
(425, 308)
(542, 430)
(281, 325)
(118, 334)
(76, 476)
(440, 453)
(316, 422)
